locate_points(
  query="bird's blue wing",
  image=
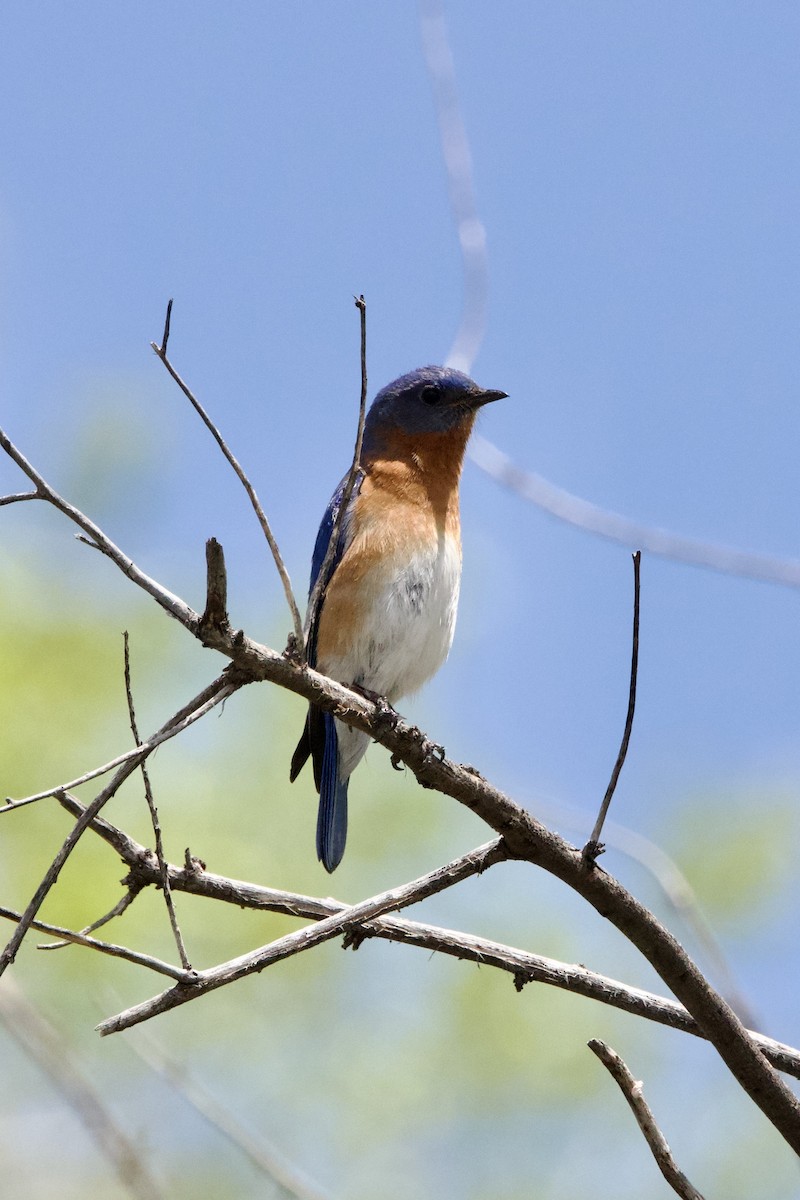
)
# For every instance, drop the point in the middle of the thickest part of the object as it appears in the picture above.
(319, 738)
(321, 548)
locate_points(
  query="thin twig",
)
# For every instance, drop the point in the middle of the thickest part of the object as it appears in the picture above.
(321, 582)
(461, 868)
(170, 603)
(594, 847)
(214, 694)
(18, 497)
(266, 529)
(46, 1046)
(632, 1091)
(123, 904)
(72, 937)
(138, 753)
(151, 804)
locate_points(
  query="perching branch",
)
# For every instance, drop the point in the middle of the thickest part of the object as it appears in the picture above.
(632, 1091)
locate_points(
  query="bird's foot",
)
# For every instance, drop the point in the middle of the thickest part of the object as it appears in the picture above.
(386, 713)
(432, 752)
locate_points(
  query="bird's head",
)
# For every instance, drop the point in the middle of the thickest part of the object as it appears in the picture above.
(428, 400)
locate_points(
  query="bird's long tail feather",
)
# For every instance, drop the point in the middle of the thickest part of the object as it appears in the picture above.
(332, 817)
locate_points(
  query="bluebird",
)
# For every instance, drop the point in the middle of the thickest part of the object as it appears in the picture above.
(387, 614)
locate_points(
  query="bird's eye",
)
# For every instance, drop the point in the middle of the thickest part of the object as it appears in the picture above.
(429, 394)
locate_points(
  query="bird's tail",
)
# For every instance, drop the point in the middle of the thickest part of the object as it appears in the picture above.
(332, 816)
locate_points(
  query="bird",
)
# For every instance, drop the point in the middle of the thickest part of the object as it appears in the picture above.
(387, 612)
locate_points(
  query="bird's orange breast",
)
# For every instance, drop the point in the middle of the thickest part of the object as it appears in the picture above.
(406, 511)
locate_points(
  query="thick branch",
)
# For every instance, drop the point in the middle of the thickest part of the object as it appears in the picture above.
(521, 964)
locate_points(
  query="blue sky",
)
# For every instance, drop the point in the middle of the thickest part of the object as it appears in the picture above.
(637, 169)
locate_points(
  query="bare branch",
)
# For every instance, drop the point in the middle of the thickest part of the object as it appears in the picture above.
(161, 351)
(216, 610)
(632, 1091)
(312, 935)
(321, 582)
(74, 938)
(594, 847)
(528, 839)
(525, 837)
(18, 497)
(172, 604)
(151, 804)
(524, 966)
(45, 1045)
(222, 687)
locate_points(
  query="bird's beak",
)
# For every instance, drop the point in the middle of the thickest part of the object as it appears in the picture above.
(483, 396)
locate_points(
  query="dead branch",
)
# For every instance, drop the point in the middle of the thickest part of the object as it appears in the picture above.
(632, 1091)
(594, 847)
(341, 922)
(151, 804)
(286, 582)
(524, 966)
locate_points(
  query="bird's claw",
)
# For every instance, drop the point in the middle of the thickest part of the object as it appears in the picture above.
(432, 751)
(386, 713)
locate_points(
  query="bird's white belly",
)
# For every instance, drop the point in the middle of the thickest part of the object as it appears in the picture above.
(408, 622)
(405, 633)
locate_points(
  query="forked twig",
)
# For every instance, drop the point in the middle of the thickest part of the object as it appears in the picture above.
(266, 529)
(525, 967)
(321, 582)
(215, 693)
(151, 804)
(123, 904)
(632, 1091)
(72, 937)
(594, 847)
(338, 923)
